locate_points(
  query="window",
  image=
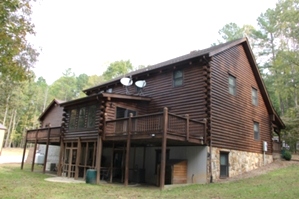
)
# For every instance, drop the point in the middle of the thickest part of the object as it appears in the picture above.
(254, 96)
(123, 113)
(224, 164)
(81, 119)
(232, 85)
(73, 116)
(91, 116)
(256, 130)
(177, 78)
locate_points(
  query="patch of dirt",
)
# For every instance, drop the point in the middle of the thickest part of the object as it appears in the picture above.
(277, 164)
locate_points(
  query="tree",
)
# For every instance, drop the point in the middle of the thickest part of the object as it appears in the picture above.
(117, 68)
(230, 32)
(17, 56)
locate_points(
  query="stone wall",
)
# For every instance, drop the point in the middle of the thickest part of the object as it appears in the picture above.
(239, 161)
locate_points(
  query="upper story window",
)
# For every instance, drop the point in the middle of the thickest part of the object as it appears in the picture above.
(83, 117)
(256, 129)
(232, 85)
(254, 96)
(177, 78)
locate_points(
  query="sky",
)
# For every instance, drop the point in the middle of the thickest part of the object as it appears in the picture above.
(88, 35)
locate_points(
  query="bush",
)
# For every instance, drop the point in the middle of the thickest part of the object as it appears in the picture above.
(287, 155)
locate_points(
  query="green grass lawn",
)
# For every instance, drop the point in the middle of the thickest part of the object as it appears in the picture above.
(16, 183)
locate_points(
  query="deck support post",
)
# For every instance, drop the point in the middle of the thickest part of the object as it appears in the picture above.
(34, 151)
(98, 158)
(163, 151)
(47, 149)
(61, 153)
(128, 150)
(78, 159)
(111, 163)
(24, 153)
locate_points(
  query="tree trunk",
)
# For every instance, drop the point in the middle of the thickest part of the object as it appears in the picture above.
(13, 126)
(6, 110)
(8, 131)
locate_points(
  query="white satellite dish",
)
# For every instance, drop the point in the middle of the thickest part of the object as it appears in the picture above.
(140, 85)
(126, 81)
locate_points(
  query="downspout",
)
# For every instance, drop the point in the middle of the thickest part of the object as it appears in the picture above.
(208, 104)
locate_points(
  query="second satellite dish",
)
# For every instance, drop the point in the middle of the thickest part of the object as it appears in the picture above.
(140, 85)
(126, 81)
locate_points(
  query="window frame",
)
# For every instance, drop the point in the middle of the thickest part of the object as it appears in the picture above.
(232, 86)
(254, 96)
(178, 81)
(80, 117)
(256, 132)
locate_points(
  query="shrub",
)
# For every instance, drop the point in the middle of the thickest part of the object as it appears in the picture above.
(287, 155)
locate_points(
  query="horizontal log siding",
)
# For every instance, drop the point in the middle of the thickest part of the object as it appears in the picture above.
(185, 99)
(233, 116)
(53, 117)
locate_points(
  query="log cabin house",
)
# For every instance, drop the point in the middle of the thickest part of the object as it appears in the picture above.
(196, 118)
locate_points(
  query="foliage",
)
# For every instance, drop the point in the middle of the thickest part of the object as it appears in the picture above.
(287, 155)
(117, 69)
(17, 56)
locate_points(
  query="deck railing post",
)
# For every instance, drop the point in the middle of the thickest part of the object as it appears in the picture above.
(163, 151)
(187, 126)
(128, 150)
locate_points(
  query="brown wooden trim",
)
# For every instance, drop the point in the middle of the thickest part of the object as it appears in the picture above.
(163, 151)
(47, 150)
(128, 150)
(98, 158)
(78, 158)
(34, 151)
(24, 153)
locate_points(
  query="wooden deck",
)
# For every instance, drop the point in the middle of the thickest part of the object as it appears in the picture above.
(151, 126)
(43, 135)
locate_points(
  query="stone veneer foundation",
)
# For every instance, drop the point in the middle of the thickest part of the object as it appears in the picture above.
(239, 161)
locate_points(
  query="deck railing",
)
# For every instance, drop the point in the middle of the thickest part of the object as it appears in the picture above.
(153, 124)
(43, 133)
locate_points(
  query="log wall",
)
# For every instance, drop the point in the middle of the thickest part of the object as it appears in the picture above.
(233, 116)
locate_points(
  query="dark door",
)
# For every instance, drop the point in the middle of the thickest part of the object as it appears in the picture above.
(224, 164)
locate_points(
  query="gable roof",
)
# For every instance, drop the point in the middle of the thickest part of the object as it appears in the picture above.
(49, 107)
(208, 53)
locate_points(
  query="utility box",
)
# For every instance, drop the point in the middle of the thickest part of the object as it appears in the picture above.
(265, 146)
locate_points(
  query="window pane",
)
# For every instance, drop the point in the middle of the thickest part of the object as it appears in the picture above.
(73, 119)
(254, 96)
(178, 78)
(91, 116)
(81, 120)
(256, 130)
(232, 85)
